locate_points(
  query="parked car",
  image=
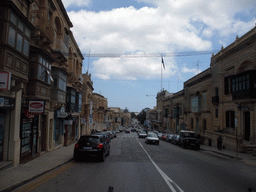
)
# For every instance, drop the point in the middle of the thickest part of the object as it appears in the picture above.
(142, 134)
(95, 145)
(159, 135)
(163, 137)
(175, 139)
(188, 139)
(169, 137)
(152, 138)
(127, 131)
(114, 133)
(111, 134)
(133, 130)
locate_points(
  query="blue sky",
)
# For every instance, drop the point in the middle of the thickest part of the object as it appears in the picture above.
(138, 32)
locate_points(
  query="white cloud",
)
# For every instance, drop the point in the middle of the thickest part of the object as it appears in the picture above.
(169, 26)
(187, 70)
(68, 3)
(132, 68)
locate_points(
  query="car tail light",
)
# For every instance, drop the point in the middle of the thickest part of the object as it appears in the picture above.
(76, 145)
(100, 146)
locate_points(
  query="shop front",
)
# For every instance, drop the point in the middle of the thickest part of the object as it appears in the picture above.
(30, 126)
(68, 132)
(59, 117)
(6, 105)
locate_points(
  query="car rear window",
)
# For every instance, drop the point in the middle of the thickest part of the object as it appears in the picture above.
(89, 139)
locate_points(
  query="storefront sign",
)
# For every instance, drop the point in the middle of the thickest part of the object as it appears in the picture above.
(29, 115)
(7, 102)
(62, 114)
(5, 80)
(68, 122)
(36, 107)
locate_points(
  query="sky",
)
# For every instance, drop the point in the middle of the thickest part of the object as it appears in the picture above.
(125, 41)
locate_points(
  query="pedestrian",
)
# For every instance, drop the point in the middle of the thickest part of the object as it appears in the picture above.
(219, 142)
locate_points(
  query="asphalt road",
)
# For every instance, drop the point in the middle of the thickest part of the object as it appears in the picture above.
(135, 166)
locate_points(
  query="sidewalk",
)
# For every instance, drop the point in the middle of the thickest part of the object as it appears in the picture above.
(245, 157)
(14, 177)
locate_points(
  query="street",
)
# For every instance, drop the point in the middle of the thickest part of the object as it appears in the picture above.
(134, 166)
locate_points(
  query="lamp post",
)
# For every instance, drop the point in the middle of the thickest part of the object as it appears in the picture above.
(239, 108)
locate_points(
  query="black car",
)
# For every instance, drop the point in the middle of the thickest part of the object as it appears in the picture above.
(188, 139)
(127, 131)
(133, 130)
(95, 145)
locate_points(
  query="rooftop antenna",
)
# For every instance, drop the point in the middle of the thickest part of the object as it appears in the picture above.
(88, 61)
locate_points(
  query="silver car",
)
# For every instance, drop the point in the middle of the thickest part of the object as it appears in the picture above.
(152, 138)
(142, 134)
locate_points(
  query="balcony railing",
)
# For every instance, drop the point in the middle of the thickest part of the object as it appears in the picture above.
(61, 46)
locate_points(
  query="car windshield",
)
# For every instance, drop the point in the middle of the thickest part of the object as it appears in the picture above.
(189, 135)
(152, 135)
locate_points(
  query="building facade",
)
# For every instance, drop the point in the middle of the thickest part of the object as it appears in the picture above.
(100, 105)
(41, 67)
(219, 100)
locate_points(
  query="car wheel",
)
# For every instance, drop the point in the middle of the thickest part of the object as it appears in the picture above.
(108, 152)
(157, 143)
(183, 146)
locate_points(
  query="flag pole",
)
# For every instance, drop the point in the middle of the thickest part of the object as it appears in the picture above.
(161, 72)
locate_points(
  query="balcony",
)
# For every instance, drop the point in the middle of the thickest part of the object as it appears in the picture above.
(62, 47)
(215, 100)
(245, 94)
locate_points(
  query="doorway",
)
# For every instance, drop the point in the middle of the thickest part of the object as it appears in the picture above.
(247, 125)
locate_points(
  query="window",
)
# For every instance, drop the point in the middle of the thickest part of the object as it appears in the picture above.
(18, 35)
(62, 84)
(230, 119)
(241, 83)
(192, 123)
(216, 113)
(204, 100)
(195, 104)
(44, 70)
(11, 36)
(228, 85)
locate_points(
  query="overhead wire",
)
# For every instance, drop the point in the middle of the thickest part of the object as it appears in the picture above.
(174, 54)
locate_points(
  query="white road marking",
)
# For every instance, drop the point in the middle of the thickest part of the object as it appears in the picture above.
(168, 181)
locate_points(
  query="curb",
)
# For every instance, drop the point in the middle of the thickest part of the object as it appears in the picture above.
(9, 189)
(230, 156)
